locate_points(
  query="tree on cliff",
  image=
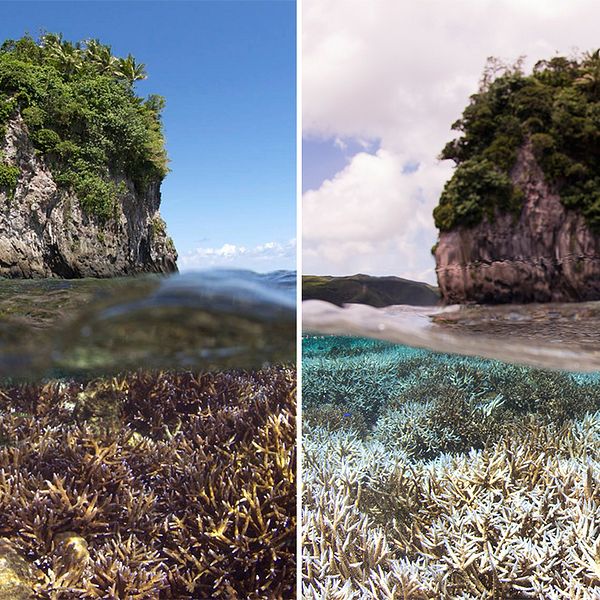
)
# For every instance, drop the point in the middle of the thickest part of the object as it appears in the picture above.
(556, 110)
(83, 116)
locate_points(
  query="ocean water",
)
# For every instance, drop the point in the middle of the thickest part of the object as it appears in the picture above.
(214, 319)
(463, 462)
(147, 437)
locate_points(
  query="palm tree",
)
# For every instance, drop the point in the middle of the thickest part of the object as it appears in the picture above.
(63, 54)
(100, 56)
(129, 69)
(590, 78)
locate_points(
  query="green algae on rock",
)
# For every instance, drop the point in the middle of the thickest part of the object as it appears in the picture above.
(17, 575)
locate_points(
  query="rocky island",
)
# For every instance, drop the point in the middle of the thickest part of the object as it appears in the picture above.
(519, 220)
(82, 158)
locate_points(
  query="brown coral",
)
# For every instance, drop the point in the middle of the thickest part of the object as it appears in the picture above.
(153, 485)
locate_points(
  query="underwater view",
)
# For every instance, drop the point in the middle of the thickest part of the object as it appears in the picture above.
(147, 437)
(430, 475)
(147, 416)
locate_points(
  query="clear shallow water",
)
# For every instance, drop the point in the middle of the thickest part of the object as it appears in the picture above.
(443, 475)
(555, 336)
(135, 414)
(214, 319)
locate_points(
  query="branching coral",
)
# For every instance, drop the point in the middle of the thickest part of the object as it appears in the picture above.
(478, 479)
(153, 485)
(519, 519)
(427, 404)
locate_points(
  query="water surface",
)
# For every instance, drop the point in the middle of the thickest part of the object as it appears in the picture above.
(558, 336)
(214, 319)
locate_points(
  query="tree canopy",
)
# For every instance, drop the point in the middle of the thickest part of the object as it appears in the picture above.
(556, 109)
(83, 115)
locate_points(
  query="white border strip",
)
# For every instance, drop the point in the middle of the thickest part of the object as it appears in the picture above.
(299, 297)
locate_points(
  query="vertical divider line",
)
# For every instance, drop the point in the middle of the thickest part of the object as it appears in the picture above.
(299, 298)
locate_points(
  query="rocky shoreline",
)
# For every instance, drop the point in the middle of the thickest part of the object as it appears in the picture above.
(44, 231)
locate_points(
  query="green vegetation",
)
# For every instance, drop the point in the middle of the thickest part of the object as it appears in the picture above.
(84, 116)
(556, 109)
(365, 289)
(9, 176)
(159, 229)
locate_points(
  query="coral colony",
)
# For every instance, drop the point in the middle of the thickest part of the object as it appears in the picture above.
(461, 478)
(151, 485)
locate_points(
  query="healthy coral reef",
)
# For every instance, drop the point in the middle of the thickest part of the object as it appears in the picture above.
(475, 479)
(153, 485)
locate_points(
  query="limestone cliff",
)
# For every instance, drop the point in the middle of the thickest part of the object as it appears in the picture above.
(545, 253)
(44, 232)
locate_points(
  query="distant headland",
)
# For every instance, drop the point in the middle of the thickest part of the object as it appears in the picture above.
(367, 289)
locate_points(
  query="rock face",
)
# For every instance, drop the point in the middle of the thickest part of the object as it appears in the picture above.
(45, 233)
(17, 576)
(547, 253)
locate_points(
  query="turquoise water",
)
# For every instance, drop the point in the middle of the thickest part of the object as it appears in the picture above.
(433, 475)
(379, 386)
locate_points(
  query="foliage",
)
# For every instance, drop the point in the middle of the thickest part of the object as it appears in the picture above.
(9, 176)
(365, 289)
(557, 109)
(477, 188)
(84, 116)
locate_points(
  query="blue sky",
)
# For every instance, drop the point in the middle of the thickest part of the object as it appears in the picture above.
(323, 158)
(228, 73)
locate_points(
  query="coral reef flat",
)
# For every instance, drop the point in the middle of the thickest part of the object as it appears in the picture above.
(431, 476)
(150, 485)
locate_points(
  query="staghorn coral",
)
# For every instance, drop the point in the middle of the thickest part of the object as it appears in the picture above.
(477, 480)
(428, 403)
(358, 378)
(519, 519)
(153, 485)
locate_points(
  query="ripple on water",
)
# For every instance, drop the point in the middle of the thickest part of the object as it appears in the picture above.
(216, 319)
(553, 336)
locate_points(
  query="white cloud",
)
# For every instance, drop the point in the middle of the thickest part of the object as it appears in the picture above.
(262, 257)
(401, 73)
(370, 218)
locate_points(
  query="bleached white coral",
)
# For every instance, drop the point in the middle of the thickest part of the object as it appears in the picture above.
(519, 519)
